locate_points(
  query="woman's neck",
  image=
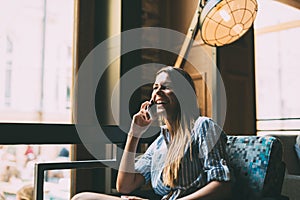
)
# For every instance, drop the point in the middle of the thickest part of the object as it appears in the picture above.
(171, 126)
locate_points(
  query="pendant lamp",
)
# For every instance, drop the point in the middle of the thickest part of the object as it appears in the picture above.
(220, 22)
(224, 21)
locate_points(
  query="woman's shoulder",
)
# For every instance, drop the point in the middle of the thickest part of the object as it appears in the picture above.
(203, 125)
(201, 120)
(200, 123)
(204, 121)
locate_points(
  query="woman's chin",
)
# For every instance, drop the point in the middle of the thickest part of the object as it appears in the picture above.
(161, 111)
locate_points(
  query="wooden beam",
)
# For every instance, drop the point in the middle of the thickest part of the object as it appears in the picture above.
(278, 27)
(188, 42)
(293, 3)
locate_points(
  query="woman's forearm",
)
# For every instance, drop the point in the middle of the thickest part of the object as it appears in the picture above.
(127, 179)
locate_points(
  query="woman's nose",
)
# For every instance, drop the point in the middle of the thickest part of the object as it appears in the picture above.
(158, 89)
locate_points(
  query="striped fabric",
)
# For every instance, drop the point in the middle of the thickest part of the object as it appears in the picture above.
(208, 162)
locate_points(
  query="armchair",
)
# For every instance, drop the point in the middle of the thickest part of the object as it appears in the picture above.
(258, 167)
(256, 161)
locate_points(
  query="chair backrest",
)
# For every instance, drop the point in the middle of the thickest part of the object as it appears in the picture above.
(257, 165)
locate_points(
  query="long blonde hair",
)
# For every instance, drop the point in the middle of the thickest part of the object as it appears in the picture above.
(181, 127)
(180, 141)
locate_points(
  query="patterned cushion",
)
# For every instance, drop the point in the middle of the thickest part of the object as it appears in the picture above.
(257, 165)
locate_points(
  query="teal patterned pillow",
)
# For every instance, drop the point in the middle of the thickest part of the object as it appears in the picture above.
(257, 166)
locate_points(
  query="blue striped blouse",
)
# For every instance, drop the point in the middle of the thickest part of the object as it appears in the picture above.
(208, 163)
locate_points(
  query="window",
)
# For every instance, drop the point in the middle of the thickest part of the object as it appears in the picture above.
(36, 37)
(36, 61)
(277, 30)
(7, 84)
(9, 46)
(17, 169)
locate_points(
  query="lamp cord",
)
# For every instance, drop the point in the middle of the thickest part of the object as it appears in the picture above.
(189, 39)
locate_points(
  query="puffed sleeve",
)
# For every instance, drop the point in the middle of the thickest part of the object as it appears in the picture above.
(212, 148)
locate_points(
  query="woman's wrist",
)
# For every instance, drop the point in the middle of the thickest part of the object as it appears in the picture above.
(131, 142)
(132, 137)
(137, 131)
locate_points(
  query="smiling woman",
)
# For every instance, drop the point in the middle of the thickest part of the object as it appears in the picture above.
(187, 160)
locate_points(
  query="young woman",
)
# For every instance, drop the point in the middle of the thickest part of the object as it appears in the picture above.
(188, 159)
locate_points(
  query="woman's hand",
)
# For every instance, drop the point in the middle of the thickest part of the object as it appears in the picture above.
(141, 121)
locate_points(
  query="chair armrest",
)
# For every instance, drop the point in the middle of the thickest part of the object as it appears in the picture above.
(40, 168)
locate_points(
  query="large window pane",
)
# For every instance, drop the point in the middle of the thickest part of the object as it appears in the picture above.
(277, 30)
(36, 39)
(36, 60)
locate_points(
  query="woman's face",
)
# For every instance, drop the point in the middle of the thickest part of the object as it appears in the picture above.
(164, 97)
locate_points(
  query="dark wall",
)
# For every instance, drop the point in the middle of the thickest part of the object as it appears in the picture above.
(91, 30)
(236, 65)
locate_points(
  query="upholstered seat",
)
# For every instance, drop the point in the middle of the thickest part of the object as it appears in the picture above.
(257, 165)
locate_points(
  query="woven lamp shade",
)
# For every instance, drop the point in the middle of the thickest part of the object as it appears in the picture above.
(224, 21)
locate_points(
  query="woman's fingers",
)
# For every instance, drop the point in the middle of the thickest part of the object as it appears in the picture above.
(141, 118)
(145, 108)
(139, 124)
(144, 112)
(145, 105)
